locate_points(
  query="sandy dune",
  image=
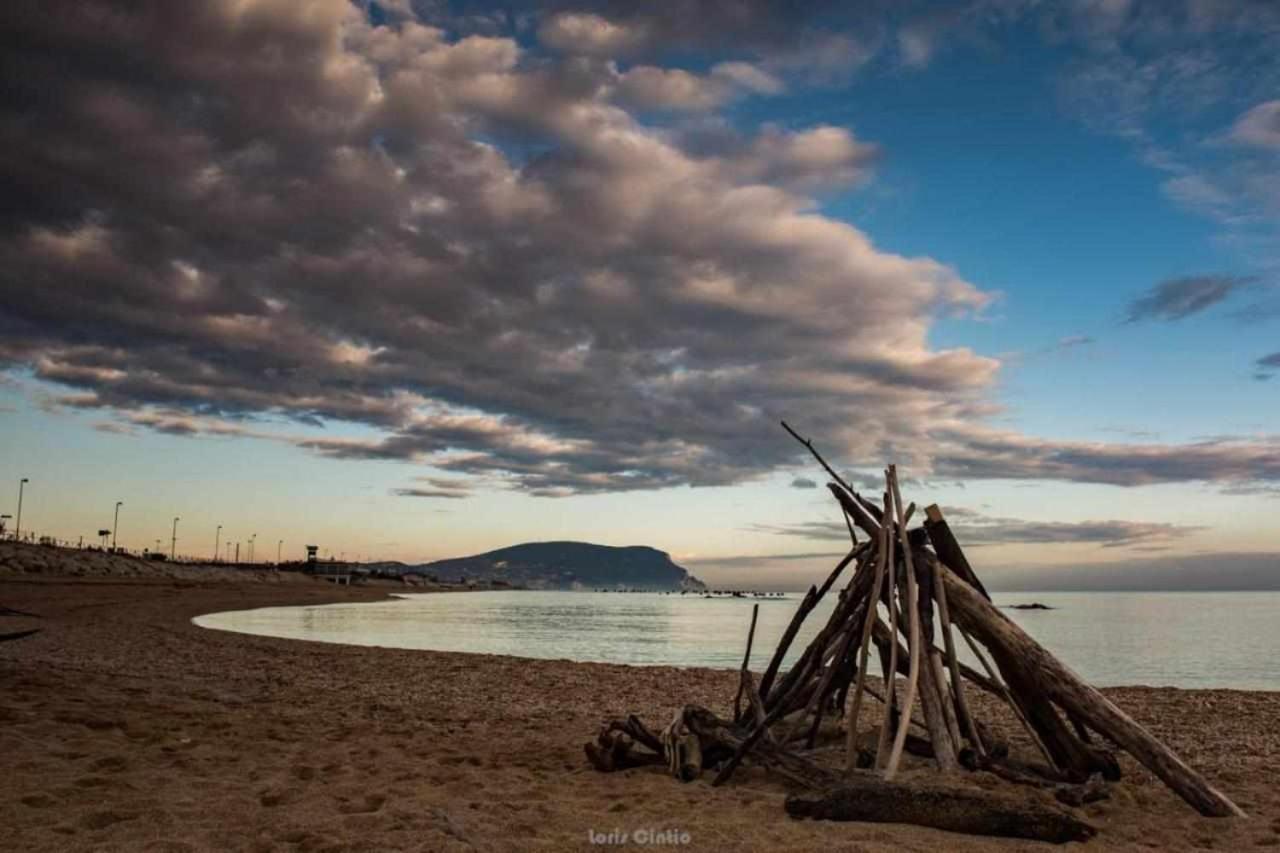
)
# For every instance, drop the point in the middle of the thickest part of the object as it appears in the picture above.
(124, 727)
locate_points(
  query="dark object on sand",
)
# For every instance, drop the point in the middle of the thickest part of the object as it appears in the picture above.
(869, 798)
(930, 594)
(1035, 605)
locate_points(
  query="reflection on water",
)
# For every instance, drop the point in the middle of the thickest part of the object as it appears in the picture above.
(1157, 638)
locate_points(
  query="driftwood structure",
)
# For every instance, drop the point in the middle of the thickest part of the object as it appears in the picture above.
(912, 594)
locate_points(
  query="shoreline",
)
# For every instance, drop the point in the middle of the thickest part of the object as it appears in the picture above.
(129, 727)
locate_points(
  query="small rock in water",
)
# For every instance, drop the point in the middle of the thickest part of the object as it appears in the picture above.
(1035, 605)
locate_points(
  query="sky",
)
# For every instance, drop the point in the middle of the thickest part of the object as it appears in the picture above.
(411, 280)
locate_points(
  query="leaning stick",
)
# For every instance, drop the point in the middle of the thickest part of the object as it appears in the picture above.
(1008, 697)
(891, 683)
(953, 663)
(810, 601)
(1062, 686)
(868, 624)
(914, 640)
(746, 660)
(948, 549)
(754, 703)
(861, 516)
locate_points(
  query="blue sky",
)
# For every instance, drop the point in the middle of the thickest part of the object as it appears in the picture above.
(462, 276)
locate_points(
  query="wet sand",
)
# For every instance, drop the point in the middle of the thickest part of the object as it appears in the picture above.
(125, 727)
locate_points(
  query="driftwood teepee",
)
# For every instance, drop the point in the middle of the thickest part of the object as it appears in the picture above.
(912, 593)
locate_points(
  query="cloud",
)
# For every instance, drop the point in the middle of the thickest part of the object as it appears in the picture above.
(803, 483)
(522, 279)
(1074, 342)
(1259, 127)
(1178, 298)
(1182, 572)
(815, 530)
(757, 560)
(1109, 534)
(965, 451)
(973, 528)
(592, 35)
(1266, 367)
(435, 487)
(463, 244)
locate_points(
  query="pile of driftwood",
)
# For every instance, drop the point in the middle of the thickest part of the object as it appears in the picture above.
(912, 594)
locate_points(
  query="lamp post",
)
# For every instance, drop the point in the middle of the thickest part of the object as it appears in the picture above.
(252, 545)
(217, 540)
(115, 524)
(17, 524)
(279, 545)
(173, 543)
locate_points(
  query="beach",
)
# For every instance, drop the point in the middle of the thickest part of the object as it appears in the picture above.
(125, 727)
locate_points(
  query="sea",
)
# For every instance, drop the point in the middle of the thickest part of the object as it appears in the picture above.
(1176, 639)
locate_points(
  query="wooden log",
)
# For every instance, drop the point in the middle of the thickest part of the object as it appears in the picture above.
(788, 637)
(891, 679)
(868, 799)
(746, 661)
(948, 549)
(1076, 759)
(880, 634)
(818, 703)
(807, 604)
(868, 625)
(822, 646)
(914, 642)
(964, 716)
(613, 752)
(753, 702)
(717, 733)
(945, 697)
(796, 684)
(1058, 683)
(1003, 693)
(935, 695)
(862, 511)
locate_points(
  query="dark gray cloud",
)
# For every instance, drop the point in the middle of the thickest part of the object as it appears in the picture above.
(1266, 367)
(469, 243)
(804, 483)
(815, 530)
(1181, 572)
(974, 528)
(967, 453)
(435, 487)
(1178, 298)
(464, 244)
(414, 492)
(759, 560)
(1109, 534)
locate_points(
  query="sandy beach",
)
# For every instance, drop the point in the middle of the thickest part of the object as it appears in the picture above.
(125, 727)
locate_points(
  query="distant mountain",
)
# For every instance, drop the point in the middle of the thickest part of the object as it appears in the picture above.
(568, 565)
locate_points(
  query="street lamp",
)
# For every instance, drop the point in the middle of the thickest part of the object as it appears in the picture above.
(217, 541)
(279, 545)
(115, 524)
(252, 539)
(17, 524)
(173, 544)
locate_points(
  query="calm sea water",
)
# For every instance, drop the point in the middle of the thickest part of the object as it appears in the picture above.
(1182, 639)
